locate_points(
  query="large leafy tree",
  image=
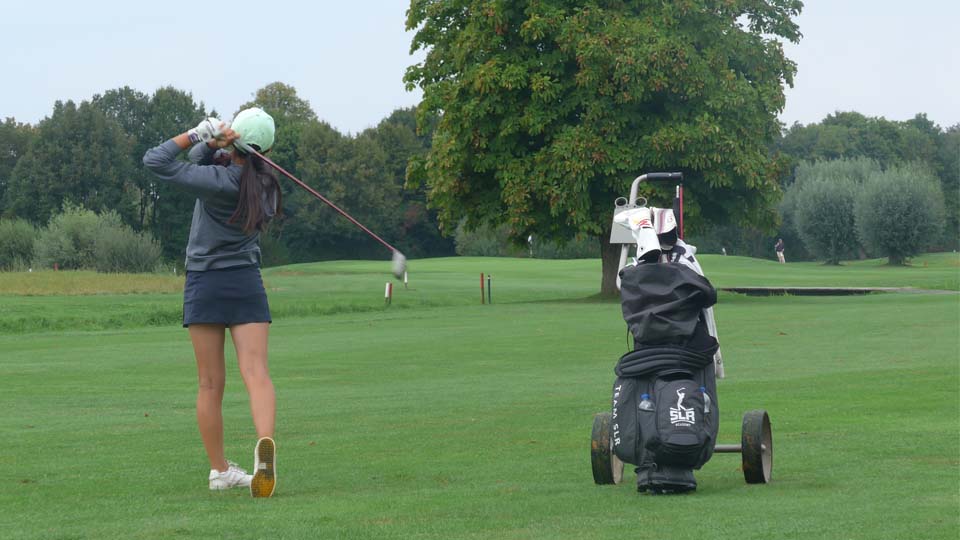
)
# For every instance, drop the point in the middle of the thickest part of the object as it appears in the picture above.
(15, 138)
(549, 107)
(171, 111)
(891, 144)
(350, 172)
(948, 157)
(131, 109)
(851, 135)
(399, 139)
(899, 213)
(148, 121)
(843, 173)
(79, 155)
(824, 217)
(290, 113)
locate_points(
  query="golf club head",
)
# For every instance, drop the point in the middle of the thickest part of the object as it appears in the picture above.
(399, 264)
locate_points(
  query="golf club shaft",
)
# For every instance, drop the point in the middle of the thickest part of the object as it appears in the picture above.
(321, 197)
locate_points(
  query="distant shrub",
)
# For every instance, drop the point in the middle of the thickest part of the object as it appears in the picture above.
(579, 247)
(488, 241)
(900, 213)
(17, 237)
(121, 249)
(67, 241)
(78, 238)
(815, 235)
(273, 250)
(824, 218)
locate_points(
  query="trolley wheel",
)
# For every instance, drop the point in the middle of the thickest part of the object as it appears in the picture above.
(756, 447)
(607, 467)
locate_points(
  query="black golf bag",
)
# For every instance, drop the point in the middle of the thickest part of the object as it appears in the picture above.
(665, 410)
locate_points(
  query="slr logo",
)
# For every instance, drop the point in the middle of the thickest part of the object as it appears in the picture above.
(616, 426)
(680, 415)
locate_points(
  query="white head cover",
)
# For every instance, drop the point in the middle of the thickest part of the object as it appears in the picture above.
(664, 220)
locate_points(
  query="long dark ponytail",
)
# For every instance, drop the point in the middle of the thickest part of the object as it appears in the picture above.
(260, 197)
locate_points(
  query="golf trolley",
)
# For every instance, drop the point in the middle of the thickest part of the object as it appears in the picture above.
(665, 413)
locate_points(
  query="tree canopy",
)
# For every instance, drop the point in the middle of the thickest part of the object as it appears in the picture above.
(549, 107)
(900, 213)
(15, 138)
(846, 135)
(79, 155)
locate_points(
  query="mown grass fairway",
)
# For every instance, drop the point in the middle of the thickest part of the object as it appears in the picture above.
(442, 418)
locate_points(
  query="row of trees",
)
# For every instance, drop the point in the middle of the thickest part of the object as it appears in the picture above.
(536, 115)
(548, 108)
(859, 146)
(88, 155)
(844, 208)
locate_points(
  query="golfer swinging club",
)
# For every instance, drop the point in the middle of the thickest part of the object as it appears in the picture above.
(223, 287)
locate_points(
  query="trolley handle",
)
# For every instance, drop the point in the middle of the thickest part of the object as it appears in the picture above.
(664, 176)
(651, 176)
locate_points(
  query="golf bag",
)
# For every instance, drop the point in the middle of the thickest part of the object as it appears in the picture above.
(665, 409)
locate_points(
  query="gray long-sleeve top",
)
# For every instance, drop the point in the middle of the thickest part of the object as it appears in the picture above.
(213, 243)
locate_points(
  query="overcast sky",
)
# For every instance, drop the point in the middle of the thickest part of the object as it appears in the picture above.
(886, 58)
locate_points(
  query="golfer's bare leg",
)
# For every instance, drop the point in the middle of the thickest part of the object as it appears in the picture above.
(250, 341)
(208, 342)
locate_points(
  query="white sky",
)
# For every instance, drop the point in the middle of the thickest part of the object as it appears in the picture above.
(347, 58)
(890, 58)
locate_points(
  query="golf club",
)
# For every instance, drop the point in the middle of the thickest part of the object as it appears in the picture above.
(399, 260)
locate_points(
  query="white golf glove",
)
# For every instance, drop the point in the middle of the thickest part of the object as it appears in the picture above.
(206, 130)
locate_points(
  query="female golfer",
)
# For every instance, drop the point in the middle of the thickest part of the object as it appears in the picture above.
(223, 287)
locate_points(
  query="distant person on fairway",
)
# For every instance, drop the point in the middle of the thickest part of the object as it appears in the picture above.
(235, 200)
(778, 247)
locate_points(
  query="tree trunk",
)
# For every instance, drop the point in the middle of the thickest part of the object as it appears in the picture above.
(610, 258)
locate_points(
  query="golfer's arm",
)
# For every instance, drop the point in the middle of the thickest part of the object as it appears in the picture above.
(201, 154)
(182, 140)
(200, 180)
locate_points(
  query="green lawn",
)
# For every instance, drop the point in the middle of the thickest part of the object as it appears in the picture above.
(442, 418)
(52, 303)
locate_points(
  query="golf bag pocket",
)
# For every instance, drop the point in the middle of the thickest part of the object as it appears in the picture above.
(625, 430)
(683, 432)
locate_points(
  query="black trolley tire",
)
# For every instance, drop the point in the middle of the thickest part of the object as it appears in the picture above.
(756, 447)
(607, 467)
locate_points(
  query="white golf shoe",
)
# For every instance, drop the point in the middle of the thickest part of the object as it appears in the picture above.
(265, 468)
(233, 477)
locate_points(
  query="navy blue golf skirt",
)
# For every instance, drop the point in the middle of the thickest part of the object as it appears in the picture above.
(227, 296)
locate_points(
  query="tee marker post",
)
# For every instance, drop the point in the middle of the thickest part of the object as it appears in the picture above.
(482, 294)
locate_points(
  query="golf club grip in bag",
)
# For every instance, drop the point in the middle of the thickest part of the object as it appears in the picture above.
(665, 410)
